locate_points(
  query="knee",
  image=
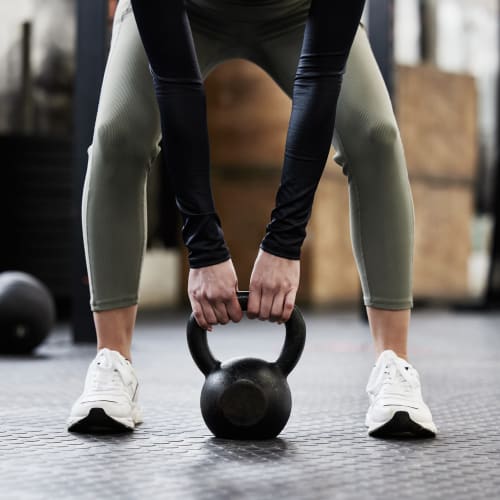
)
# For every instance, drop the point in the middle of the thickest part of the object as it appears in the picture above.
(376, 152)
(381, 136)
(117, 145)
(381, 150)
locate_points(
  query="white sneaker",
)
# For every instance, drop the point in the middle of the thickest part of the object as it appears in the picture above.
(396, 404)
(109, 399)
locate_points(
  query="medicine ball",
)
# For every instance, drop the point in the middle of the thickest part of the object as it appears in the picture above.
(27, 312)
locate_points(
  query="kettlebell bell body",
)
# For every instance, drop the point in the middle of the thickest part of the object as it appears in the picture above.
(247, 398)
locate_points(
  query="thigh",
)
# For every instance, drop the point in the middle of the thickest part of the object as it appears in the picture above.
(363, 101)
(127, 102)
(364, 107)
(127, 107)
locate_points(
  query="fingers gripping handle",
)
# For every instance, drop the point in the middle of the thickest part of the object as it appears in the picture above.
(198, 343)
(290, 354)
(295, 337)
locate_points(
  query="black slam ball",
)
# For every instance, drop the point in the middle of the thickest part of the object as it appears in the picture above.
(27, 312)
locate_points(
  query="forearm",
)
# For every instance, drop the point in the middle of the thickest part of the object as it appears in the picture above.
(330, 30)
(308, 143)
(166, 35)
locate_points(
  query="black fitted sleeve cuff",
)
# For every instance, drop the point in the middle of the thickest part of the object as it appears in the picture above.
(204, 239)
(275, 249)
(287, 230)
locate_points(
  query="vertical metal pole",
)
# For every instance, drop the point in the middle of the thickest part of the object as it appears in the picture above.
(27, 81)
(492, 298)
(381, 33)
(428, 38)
(91, 55)
(493, 289)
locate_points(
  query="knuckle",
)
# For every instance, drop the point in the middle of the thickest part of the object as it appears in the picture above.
(200, 320)
(208, 316)
(255, 284)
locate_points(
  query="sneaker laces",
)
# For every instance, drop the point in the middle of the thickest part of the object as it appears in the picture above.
(395, 370)
(108, 374)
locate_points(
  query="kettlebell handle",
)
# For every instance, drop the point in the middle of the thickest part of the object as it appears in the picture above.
(293, 346)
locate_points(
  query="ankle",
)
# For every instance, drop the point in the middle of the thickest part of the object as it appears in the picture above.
(124, 350)
(400, 352)
(115, 329)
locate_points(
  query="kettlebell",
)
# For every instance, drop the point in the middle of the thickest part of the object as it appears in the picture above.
(247, 398)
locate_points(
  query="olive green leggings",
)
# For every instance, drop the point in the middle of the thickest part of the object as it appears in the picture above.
(127, 133)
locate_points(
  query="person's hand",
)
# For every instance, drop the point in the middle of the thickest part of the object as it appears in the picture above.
(273, 287)
(212, 293)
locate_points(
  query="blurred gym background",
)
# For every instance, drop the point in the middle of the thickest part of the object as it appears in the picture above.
(440, 61)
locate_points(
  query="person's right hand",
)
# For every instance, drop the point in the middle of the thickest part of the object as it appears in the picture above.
(212, 293)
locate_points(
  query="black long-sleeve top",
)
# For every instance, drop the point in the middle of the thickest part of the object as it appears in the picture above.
(166, 35)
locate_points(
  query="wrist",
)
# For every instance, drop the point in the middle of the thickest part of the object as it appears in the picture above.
(198, 263)
(279, 251)
(204, 239)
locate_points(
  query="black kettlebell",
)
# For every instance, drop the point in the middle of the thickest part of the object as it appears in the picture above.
(247, 398)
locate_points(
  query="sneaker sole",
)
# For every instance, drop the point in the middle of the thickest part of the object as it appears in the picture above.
(98, 422)
(402, 426)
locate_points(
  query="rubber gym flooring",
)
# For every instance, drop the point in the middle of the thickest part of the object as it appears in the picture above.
(323, 453)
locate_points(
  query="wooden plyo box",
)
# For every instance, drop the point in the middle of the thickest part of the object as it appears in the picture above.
(443, 214)
(437, 115)
(248, 116)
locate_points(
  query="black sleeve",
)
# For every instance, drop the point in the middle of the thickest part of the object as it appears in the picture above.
(166, 35)
(328, 37)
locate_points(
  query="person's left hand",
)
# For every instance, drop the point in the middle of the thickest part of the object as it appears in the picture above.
(273, 287)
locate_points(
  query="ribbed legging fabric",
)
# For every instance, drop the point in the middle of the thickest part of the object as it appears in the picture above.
(128, 130)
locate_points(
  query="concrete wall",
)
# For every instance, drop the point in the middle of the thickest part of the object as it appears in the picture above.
(53, 45)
